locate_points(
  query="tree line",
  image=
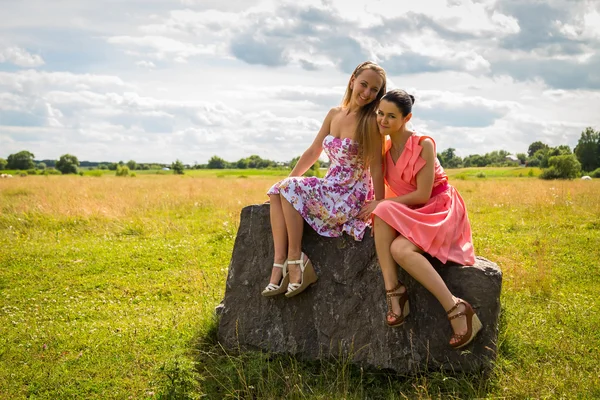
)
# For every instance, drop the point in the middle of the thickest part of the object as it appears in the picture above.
(252, 162)
(558, 162)
(69, 164)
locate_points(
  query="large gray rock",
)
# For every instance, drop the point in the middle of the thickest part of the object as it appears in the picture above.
(343, 314)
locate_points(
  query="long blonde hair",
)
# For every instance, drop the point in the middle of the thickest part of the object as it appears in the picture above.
(366, 134)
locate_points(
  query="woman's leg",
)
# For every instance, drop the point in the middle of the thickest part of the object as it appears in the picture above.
(384, 236)
(280, 238)
(411, 259)
(295, 226)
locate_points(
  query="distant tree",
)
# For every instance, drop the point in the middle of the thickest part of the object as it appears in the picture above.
(242, 163)
(177, 167)
(132, 165)
(539, 158)
(588, 149)
(253, 161)
(522, 158)
(448, 153)
(3, 164)
(293, 162)
(41, 166)
(22, 160)
(49, 163)
(113, 166)
(533, 162)
(216, 163)
(440, 158)
(560, 150)
(102, 166)
(535, 146)
(265, 163)
(467, 161)
(449, 159)
(314, 169)
(67, 164)
(474, 160)
(122, 170)
(543, 155)
(564, 166)
(497, 157)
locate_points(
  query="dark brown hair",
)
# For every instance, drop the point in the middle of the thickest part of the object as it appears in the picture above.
(401, 99)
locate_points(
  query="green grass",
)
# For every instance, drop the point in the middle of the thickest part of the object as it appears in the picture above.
(205, 173)
(239, 172)
(493, 172)
(108, 286)
(460, 173)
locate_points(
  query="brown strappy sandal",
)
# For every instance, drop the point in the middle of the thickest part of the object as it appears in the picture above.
(474, 325)
(403, 300)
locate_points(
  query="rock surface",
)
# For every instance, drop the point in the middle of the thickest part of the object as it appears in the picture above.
(343, 314)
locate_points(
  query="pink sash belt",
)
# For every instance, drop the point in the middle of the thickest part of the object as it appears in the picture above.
(439, 189)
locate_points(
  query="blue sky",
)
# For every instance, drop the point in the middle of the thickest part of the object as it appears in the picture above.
(158, 80)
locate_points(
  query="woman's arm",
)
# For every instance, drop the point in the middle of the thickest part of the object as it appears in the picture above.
(311, 155)
(377, 176)
(425, 178)
(376, 166)
(376, 169)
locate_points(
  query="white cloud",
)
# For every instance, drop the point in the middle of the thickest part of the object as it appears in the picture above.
(194, 22)
(162, 47)
(145, 64)
(437, 98)
(32, 81)
(587, 28)
(102, 112)
(192, 79)
(20, 57)
(473, 17)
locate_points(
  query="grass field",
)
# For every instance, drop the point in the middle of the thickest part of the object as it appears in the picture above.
(460, 173)
(108, 286)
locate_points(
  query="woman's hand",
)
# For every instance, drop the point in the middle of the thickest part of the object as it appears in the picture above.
(367, 209)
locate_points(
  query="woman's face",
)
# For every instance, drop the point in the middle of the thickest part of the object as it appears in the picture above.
(389, 118)
(365, 87)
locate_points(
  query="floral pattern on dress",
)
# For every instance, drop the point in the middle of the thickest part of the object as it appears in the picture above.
(330, 204)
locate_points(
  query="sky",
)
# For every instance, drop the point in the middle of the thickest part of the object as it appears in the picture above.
(160, 80)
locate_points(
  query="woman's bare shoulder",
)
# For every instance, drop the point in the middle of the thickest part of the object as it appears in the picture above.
(335, 111)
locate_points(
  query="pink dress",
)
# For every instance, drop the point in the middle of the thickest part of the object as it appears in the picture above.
(439, 227)
(330, 204)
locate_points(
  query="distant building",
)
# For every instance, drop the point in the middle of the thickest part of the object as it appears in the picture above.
(512, 159)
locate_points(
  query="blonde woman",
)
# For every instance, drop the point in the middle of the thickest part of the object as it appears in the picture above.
(330, 205)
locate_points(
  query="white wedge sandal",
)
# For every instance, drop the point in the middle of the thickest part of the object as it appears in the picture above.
(309, 276)
(273, 289)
